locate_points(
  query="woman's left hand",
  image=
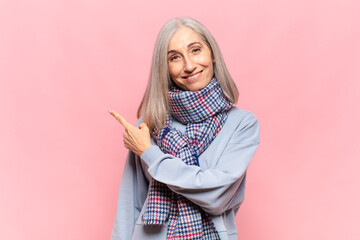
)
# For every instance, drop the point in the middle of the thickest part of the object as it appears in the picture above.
(136, 139)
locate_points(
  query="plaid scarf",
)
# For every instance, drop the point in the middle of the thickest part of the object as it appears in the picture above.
(204, 112)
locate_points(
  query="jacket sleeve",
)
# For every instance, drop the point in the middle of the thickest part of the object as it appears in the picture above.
(132, 194)
(212, 189)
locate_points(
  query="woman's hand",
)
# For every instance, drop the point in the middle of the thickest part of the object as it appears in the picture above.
(136, 139)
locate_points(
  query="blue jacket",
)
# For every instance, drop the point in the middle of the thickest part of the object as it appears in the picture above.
(217, 185)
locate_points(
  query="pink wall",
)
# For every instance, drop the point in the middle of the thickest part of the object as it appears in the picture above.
(63, 64)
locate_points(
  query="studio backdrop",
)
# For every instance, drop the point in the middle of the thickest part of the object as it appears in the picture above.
(64, 64)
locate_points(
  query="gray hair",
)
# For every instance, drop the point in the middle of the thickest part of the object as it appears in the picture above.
(155, 105)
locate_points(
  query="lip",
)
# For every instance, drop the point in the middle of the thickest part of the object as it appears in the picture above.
(193, 77)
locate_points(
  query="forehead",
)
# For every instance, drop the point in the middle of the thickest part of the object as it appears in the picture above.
(183, 37)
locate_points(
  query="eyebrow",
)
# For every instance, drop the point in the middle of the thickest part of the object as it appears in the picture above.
(189, 45)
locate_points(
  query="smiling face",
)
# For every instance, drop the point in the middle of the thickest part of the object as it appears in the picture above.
(189, 60)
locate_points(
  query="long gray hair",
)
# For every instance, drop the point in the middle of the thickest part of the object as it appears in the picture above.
(155, 105)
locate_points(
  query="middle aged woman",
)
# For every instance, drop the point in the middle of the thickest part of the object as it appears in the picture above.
(184, 176)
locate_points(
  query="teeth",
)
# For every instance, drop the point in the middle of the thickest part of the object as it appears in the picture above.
(194, 76)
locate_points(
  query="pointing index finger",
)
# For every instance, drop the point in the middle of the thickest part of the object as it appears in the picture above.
(120, 119)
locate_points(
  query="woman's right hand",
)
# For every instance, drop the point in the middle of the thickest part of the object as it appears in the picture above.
(136, 139)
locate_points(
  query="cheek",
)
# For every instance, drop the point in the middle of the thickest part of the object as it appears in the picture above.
(174, 70)
(205, 60)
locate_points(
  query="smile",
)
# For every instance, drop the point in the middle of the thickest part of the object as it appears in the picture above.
(193, 76)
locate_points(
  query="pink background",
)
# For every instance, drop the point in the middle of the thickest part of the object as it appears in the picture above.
(64, 63)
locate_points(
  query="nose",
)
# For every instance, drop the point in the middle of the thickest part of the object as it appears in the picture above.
(189, 65)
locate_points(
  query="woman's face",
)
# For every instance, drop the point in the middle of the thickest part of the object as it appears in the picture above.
(190, 60)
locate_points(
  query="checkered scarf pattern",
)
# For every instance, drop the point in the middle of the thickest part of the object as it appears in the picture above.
(204, 112)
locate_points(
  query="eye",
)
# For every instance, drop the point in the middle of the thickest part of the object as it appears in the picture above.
(174, 58)
(196, 50)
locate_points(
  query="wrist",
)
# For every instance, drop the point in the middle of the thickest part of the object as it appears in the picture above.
(144, 149)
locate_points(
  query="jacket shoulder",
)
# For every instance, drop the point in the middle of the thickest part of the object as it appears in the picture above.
(243, 125)
(242, 116)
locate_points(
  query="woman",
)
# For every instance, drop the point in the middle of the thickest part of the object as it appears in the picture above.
(184, 176)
